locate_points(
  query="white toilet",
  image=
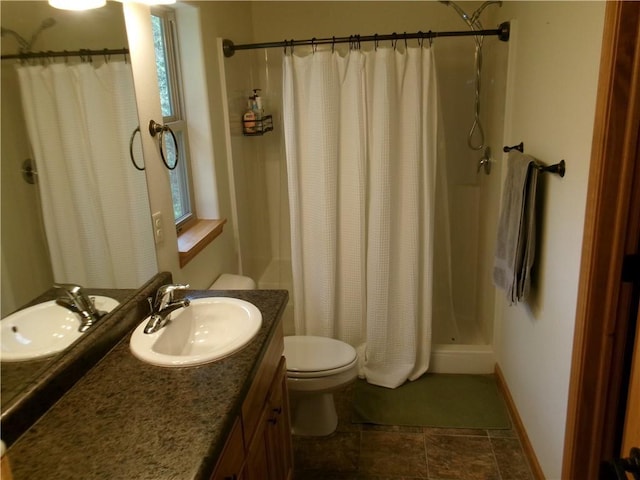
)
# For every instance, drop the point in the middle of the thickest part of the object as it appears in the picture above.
(316, 367)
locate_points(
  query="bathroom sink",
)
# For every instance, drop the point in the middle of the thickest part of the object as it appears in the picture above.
(207, 330)
(43, 330)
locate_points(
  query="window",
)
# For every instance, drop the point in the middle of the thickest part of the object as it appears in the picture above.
(167, 67)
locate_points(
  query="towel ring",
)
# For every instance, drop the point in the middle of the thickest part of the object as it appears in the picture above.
(133, 160)
(159, 129)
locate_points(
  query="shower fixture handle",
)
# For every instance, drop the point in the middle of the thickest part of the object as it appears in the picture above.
(485, 162)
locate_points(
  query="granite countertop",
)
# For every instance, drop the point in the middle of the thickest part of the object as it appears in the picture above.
(45, 381)
(126, 419)
(17, 376)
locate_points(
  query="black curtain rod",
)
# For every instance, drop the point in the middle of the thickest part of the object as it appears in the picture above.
(67, 53)
(502, 32)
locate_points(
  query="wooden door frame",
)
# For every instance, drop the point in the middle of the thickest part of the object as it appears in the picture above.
(611, 232)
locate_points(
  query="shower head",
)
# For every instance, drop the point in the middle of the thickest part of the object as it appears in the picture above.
(50, 22)
(46, 23)
(479, 10)
(21, 41)
(460, 11)
(472, 21)
(24, 45)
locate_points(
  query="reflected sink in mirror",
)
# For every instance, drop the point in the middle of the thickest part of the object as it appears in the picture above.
(43, 330)
(209, 329)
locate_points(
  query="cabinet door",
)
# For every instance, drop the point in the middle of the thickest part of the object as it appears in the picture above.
(229, 465)
(278, 429)
(270, 453)
(257, 463)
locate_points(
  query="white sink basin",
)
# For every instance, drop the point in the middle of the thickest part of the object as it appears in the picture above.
(207, 330)
(43, 330)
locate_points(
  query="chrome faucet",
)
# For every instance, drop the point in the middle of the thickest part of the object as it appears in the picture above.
(163, 305)
(78, 302)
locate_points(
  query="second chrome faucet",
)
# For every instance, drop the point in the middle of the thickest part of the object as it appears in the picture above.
(78, 302)
(163, 305)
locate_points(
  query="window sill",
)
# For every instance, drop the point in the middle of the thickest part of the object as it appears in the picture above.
(192, 240)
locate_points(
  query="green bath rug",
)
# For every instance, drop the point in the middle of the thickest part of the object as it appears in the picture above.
(434, 400)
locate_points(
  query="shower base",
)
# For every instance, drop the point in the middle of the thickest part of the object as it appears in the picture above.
(452, 358)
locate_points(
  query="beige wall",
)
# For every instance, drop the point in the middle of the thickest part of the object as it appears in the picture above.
(554, 57)
(216, 19)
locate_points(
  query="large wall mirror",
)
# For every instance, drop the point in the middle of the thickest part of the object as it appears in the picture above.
(73, 192)
(84, 220)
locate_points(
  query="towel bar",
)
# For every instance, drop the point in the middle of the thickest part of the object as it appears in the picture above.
(557, 168)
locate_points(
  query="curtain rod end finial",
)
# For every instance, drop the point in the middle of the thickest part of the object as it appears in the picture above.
(505, 30)
(228, 48)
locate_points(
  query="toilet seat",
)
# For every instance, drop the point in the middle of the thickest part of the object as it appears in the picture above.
(314, 357)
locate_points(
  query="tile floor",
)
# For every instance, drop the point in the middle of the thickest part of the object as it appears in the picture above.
(372, 452)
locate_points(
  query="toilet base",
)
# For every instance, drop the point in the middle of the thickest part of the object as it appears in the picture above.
(313, 415)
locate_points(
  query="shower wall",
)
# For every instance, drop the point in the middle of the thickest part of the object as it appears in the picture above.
(463, 307)
(258, 169)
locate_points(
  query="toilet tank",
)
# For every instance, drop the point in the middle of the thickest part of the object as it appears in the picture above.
(229, 281)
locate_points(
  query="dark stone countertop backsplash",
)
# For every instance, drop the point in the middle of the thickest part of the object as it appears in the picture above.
(126, 419)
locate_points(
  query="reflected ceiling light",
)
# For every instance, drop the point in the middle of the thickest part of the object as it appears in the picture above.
(151, 3)
(77, 4)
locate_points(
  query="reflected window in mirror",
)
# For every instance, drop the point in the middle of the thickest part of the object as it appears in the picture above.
(167, 50)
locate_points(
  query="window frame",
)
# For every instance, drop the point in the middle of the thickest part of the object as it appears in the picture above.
(177, 121)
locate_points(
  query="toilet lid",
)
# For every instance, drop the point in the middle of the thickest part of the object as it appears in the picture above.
(306, 353)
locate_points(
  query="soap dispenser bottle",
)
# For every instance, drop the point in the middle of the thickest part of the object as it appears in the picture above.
(249, 117)
(257, 104)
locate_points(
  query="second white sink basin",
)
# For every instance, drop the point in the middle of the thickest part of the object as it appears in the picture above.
(207, 330)
(43, 330)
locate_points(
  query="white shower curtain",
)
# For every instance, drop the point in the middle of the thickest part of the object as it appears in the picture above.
(360, 136)
(95, 206)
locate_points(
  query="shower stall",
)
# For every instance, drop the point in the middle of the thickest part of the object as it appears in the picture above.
(467, 200)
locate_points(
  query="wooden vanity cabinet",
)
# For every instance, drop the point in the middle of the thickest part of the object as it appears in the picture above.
(259, 446)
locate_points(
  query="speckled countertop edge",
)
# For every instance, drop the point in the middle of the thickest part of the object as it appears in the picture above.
(127, 419)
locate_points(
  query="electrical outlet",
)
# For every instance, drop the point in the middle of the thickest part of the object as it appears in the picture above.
(158, 234)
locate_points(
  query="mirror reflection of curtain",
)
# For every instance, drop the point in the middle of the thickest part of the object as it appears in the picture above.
(95, 206)
(360, 134)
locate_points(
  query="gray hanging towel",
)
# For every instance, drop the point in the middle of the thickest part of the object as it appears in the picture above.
(515, 245)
